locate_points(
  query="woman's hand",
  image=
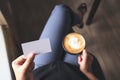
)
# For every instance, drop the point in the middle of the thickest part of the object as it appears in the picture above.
(85, 61)
(23, 67)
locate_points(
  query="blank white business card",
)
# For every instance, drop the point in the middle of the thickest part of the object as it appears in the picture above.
(37, 47)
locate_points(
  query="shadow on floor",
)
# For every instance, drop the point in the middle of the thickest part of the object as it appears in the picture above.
(97, 70)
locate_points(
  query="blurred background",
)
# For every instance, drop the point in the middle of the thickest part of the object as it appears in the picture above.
(25, 20)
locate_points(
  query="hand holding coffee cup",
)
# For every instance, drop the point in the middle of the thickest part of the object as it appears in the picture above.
(74, 43)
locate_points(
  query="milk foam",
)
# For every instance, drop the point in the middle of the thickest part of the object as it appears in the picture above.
(74, 43)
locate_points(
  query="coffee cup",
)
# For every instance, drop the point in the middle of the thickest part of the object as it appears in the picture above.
(74, 43)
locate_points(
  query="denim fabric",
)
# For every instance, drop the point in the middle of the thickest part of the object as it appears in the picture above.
(58, 25)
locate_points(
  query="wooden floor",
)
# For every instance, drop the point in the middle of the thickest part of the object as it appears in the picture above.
(102, 36)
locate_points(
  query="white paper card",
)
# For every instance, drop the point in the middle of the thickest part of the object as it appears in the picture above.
(37, 47)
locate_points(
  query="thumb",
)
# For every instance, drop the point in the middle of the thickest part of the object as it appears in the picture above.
(85, 53)
(29, 61)
(79, 59)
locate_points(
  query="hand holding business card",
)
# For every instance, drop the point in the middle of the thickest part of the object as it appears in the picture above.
(37, 47)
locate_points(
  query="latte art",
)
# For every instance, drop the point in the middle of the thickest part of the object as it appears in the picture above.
(74, 43)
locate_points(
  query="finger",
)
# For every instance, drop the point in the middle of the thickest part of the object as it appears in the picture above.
(79, 58)
(85, 53)
(19, 61)
(84, 56)
(29, 61)
(31, 67)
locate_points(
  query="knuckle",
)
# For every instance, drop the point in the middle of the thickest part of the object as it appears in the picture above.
(13, 63)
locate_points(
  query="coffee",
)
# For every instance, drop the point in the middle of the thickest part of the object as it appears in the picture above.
(74, 43)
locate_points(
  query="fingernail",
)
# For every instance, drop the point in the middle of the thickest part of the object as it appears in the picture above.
(32, 54)
(84, 51)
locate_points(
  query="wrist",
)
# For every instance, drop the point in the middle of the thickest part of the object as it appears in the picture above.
(85, 70)
(90, 75)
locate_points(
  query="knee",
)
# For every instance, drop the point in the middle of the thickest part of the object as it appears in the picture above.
(62, 7)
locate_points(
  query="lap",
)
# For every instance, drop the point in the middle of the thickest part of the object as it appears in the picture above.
(58, 25)
(55, 29)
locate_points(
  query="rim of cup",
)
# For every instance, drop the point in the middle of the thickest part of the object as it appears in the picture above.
(75, 52)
